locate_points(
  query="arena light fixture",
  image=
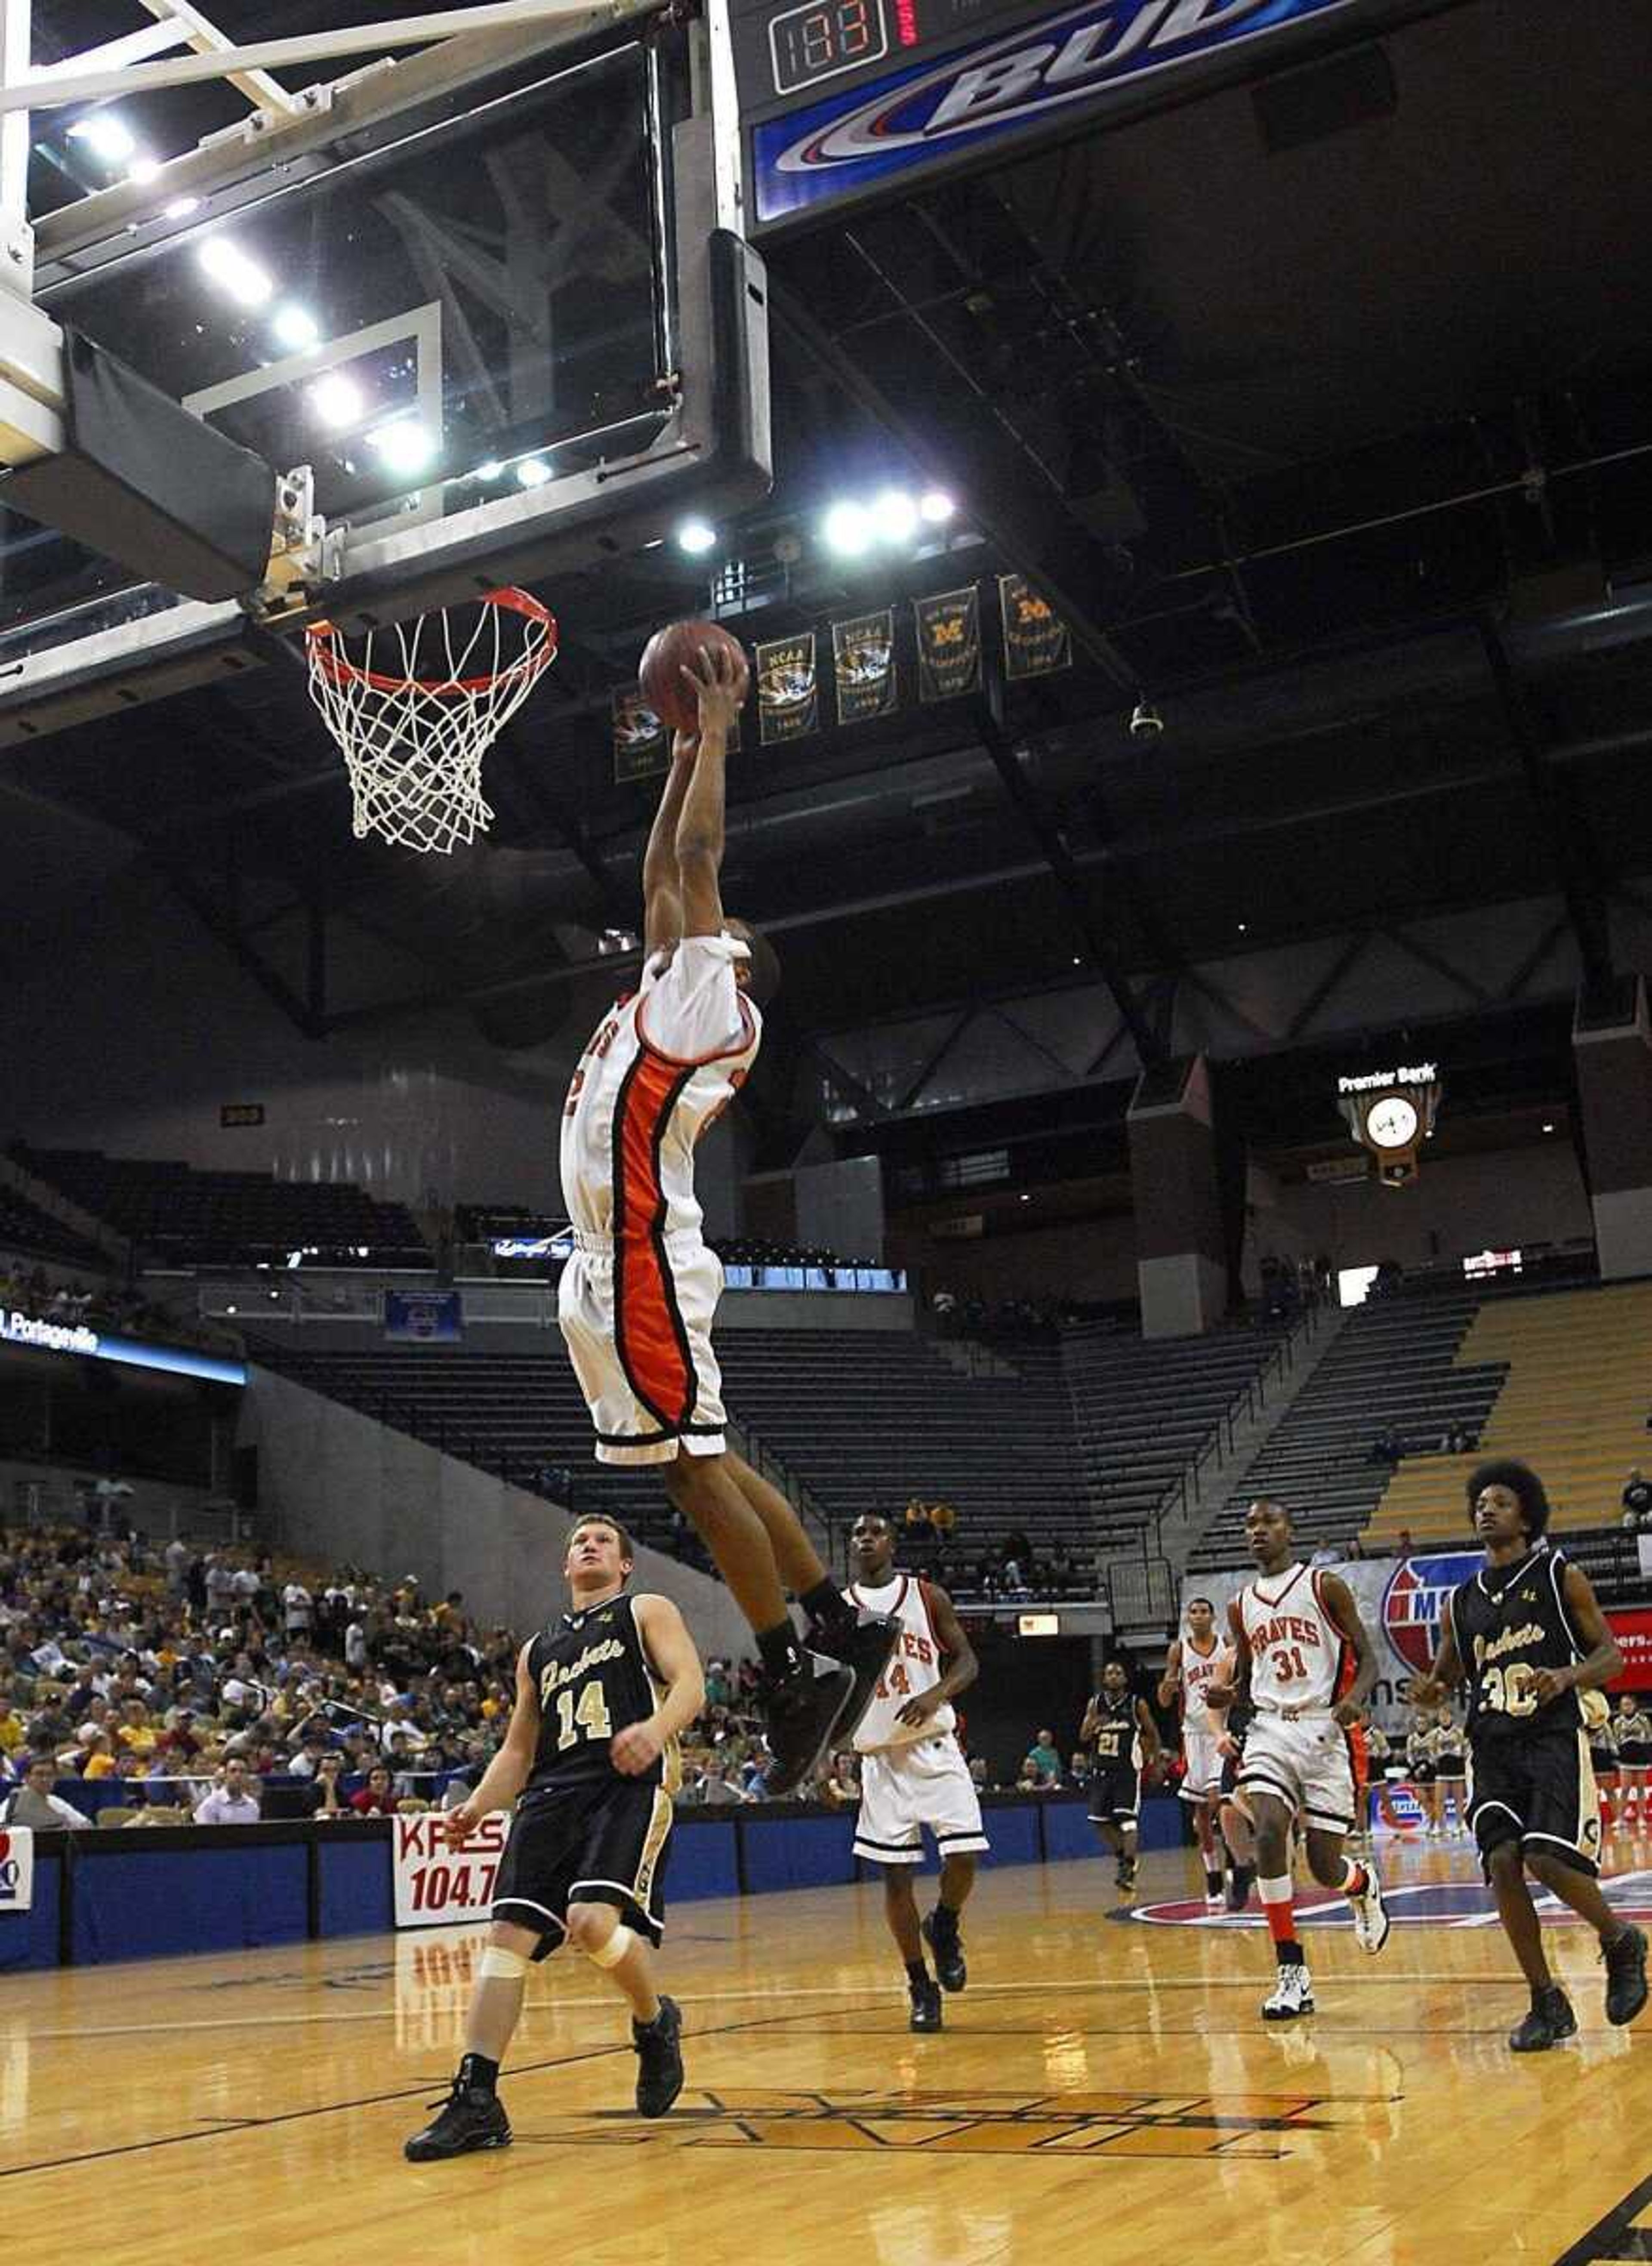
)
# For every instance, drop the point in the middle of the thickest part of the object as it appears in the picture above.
(936, 506)
(142, 171)
(336, 400)
(295, 327)
(696, 537)
(847, 530)
(403, 446)
(106, 134)
(231, 268)
(180, 207)
(894, 515)
(530, 474)
(489, 471)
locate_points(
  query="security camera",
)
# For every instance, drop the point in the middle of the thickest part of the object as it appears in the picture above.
(1147, 723)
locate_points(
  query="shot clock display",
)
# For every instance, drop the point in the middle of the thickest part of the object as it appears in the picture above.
(823, 38)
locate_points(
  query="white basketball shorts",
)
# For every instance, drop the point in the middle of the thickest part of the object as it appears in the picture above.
(1307, 1762)
(1203, 1771)
(903, 1789)
(637, 1322)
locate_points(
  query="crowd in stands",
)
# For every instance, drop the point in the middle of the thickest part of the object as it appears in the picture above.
(1637, 1502)
(102, 1306)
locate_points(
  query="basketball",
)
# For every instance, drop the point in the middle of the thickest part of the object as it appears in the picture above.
(668, 652)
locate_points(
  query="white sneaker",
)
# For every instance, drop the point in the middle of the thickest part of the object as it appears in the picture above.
(1216, 1904)
(1290, 1996)
(1370, 1913)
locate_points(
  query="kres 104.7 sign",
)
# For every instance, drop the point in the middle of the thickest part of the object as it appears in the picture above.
(846, 98)
(436, 1885)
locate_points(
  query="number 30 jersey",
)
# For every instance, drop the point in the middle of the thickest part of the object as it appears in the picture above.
(1299, 1657)
(593, 1676)
(914, 1666)
(1509, 1621)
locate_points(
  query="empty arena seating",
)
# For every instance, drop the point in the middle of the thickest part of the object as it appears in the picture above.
(1146, 1408)
(1395, 1367)
(26, 1228)
(221, 1218)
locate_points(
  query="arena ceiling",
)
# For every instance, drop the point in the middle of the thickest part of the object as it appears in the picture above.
(1324, 412)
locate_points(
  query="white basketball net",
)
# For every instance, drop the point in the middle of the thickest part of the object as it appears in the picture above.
(419, 706)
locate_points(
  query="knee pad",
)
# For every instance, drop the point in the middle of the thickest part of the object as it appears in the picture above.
(501, 1965)
(610, 1954)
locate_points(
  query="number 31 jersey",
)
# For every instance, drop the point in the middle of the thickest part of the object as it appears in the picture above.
(593, 1677)
(1509, 1622)
(1299, 1657)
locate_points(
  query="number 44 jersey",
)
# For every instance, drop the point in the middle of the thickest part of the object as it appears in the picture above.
(593, 1676)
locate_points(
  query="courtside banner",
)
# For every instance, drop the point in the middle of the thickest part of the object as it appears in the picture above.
(1633, 1632)
(16, 1869)
(436, 1885)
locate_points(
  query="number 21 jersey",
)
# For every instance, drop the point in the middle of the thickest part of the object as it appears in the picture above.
(593, 1677)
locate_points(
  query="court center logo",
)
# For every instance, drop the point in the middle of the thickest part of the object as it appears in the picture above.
(1415, 1599)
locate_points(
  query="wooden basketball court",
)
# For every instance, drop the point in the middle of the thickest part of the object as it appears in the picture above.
(1104, 2089)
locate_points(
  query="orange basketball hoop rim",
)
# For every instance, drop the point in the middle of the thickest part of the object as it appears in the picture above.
(330, 660)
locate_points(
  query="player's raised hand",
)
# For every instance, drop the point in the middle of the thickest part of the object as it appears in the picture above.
(720, 678)
(635, 1750)
(685, 747)
(459, 1824)
(1425, 1692)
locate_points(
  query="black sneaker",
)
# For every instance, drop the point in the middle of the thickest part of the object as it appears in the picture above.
(926, 2006)
(658, 2045)
(1550, 2019)
(947, 1946)
(868, 1652)
(1626, 1976)
(1238, 1886)
(1124, 1880)
(800, 1713)
(472, 2117)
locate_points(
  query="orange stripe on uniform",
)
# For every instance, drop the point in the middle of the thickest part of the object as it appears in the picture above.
(648, 1333)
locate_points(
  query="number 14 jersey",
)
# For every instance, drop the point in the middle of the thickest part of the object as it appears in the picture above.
(1300, 1658)
(593, 1676)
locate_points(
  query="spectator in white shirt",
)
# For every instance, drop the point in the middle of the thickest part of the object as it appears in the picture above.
(220, 1585)
(36, 1805)
(355, 1646)
(177, 1557)
(233, 1801)
(296, 1606)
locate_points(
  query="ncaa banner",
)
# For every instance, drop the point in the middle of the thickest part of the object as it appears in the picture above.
(949, 644)
(436, 1885)
(788, 690)
(1400, 1601)
(641, 750)
(17, 1869)
(1035, 638)
(863, 666)
(1121, 53)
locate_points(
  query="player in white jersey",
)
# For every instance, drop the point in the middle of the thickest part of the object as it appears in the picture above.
(1191, 1670)
(637, 1296)
(1305, 1664)
(912, 1772)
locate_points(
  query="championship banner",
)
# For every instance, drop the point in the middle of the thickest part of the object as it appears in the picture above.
(1035, 638)
(863, 665)
(641, 748)
(1400, 1601)
(949, 644)
(424, 1317)
(436, 1885)
(17, 1869)
(788, 690)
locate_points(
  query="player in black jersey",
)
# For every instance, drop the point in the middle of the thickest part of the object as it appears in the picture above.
(592, 1751)
(1527, 1638)
(1121, 1740)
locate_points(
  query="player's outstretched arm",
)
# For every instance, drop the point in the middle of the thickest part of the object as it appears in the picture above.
(1233, 1684)
(962, 1668)
(1092, 1723)
(720, 683)
(661, 884)
(1446, 1674)
(507, 1775)
(1170, 1681)
(676, 1664)
(1152, 1744)
(1338, 1600)
(1600, 1663)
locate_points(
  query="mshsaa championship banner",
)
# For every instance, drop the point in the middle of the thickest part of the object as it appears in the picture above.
(949, 644)
(1035, 640)
(17, 1869)
(436, 1885)
(1400, 1601)
(863, 664)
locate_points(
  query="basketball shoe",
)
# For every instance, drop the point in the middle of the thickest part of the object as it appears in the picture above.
(472, 2117)
(1549, 2020)
(926, 2006)
(1626, 1976)
(940, 1932)
(658, 2046)
(1291, 1996)
(1370, 1913)
(800, 1713)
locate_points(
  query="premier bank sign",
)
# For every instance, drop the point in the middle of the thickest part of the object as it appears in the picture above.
(1383, 1081)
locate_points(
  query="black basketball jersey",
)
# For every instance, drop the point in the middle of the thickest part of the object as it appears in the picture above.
(1117, 1738)
(593, 1678)
(1509, 1622)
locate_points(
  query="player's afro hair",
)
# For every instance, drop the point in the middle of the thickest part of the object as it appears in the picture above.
(1522, 1482)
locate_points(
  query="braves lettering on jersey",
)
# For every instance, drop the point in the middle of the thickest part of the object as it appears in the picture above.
(1199, 1671)
(914, 1666)
(663, 1064)
(1118, 1738)
(1300, 1658)
(592, 1675)
(1509, 1622)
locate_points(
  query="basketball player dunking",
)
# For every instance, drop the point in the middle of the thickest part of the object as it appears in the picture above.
(592, 1751)
(1191, 1670)
(637, 1296)
(1527, 1637)
(912, 1769)
(1303, 1660)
